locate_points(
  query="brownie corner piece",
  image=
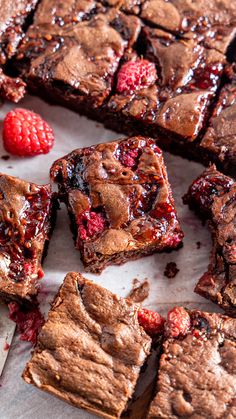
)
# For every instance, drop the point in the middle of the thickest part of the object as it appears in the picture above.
(90, 350)
(26, 219)
(213, 195)
(119, 200)
(195, 366)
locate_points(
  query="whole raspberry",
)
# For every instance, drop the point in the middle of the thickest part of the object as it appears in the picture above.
(135, 75)
(25, 133)
(151, 321)
(89, 224)
(178, 322)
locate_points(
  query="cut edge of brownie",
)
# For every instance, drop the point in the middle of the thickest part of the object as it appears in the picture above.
(27, 298)
(59, 174)
(182, 384)
(76, 282)
(212, 197)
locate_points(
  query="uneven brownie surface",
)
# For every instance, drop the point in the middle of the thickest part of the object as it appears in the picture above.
(90, 350)
(213, 196)
(12, 18)
(76, 54)
(187, 75)
(197, 376)
(74, 57)
(212, 22)
(25, 224)
(119, 199)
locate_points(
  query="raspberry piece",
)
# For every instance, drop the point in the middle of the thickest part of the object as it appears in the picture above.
(151, 321)
(135, 75)
(25, 133)
(28, 321)
(178, 322)
(129, 159)
(89, 224)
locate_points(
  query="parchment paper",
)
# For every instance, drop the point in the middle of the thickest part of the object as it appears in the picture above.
(19, 400)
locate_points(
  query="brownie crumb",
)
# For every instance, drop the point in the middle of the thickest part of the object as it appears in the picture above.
(140, 291)
(28, 320)
(5, 157)
(171, 270)
(198, 244)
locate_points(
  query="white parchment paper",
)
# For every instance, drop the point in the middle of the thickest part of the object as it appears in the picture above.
(21, 401)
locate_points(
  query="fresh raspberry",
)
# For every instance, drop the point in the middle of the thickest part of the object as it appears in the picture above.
(89, 224)
(178, 322)
(135, 75)
(151, 321)
(28, 321)
(25, 133)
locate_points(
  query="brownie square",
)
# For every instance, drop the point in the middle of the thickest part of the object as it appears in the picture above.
(177, 102)
(26, 212)
(90, 350)
(71, 59)
(197, 375)
(119, 200)
(213, 196)
(219, 140)
(210, 22)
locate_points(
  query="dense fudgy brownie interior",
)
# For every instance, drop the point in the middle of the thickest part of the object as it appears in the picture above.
(26, 212)
(213, 195)
(197, 374)
(120, 201)
(90, 350)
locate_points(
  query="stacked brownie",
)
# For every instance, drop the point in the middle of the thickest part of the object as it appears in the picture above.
(152, 67)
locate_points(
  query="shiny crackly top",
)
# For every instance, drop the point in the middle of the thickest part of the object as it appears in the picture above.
(91, 348)
(24, 226)
(197, 375)
(119, 196)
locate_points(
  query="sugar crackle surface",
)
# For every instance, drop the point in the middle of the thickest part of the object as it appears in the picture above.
(71, 132)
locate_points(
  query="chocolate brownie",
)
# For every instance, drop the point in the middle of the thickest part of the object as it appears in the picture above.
(90, 350)
(76, 54)
(219, 141)
(178, 100)
(13, 17)
(26, 210)
(75, 62)
(213, 196)
(211, 22)
(197, 375)
(119, 200)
